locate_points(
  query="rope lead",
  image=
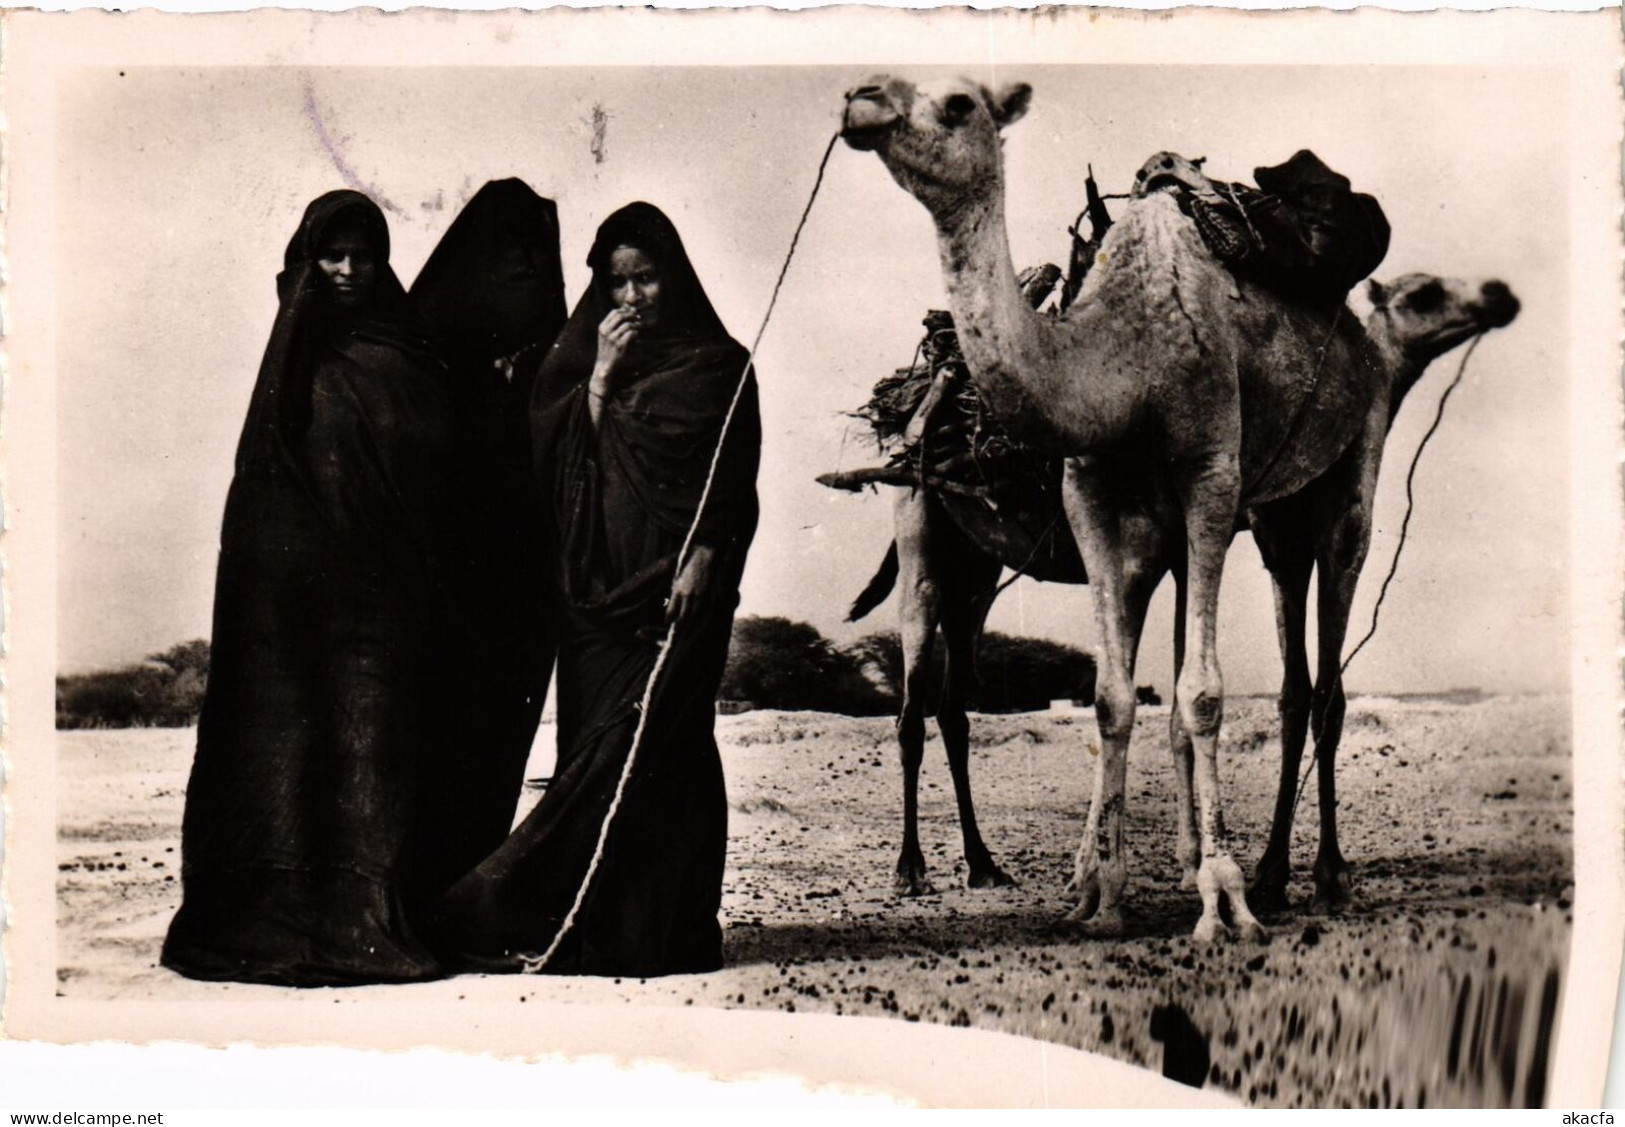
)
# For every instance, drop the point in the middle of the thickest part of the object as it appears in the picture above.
(536, 964)
(1393, 564)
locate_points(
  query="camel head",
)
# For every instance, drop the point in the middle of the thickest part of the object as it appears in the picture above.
(1424, 316)
(940, 141)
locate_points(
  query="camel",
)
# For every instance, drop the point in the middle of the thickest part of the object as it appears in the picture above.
(949, 554)
(1179, 395)
(1327, 527)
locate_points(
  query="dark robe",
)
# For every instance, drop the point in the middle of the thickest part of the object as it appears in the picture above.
(328, 627)
(492, 296)
(621, 498)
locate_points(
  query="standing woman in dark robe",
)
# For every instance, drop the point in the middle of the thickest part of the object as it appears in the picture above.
(492, 298)
(327, 627)
(628, 411)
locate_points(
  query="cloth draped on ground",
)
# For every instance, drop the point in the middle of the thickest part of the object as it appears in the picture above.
(622, 497)
(320, 718)
(492, 298)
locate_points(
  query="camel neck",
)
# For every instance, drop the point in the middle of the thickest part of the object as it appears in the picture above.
(997, 330)
(1403, 368)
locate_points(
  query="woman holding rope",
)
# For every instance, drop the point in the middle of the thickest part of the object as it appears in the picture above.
(627, 415)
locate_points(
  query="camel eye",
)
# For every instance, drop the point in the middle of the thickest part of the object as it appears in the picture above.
(957, 107)
(1425, 299)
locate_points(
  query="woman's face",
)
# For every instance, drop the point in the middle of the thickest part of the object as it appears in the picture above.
(349, 264)
(634, 283)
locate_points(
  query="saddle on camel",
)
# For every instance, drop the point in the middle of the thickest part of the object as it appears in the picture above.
(1302, 232)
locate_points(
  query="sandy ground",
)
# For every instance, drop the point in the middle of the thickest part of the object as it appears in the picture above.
(1437, 985)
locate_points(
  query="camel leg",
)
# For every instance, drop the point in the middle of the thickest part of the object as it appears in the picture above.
(1121, 593)
(1290, 564)
(919, 607)
(1210, 498)
(964, 611)
(1183, 752)
(1341, 557)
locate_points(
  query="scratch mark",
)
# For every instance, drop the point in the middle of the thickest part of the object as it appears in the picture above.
(600, 133)
(350, 177)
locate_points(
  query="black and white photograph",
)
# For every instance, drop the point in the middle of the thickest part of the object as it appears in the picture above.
(1067, 534)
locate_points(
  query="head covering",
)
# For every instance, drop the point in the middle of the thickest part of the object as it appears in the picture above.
(684, 308)
(325, 212)
(687, 319)
(494, 285)
(307, 321)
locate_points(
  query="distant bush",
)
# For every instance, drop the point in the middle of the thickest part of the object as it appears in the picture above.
(778, 663)
(772, 663)
(165, 691)
(1013, 674)
(1023, 674)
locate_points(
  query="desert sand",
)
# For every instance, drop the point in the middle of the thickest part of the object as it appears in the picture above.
(1438, 984)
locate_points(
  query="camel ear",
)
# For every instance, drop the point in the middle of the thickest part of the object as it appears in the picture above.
(1376, 293)
(1009, 103)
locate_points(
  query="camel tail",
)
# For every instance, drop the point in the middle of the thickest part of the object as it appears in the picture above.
(879, 587)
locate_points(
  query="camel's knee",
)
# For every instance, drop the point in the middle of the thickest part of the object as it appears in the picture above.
(1114, 708)
(1201, 699)
(954, 724)
(1350, 540)
(911, 735)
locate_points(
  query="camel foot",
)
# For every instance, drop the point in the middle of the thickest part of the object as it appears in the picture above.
(1086, 888)
(1268, 890)
(987, 874)
(911, 879)
(1105, 923)
(1209, 929)
(1220, 883)
(1334, 881)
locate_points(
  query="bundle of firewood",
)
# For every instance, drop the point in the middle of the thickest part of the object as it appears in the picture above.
(931, 423)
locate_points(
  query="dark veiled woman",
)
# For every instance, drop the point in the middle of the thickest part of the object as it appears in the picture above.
(628, 410)
(492, 297)
(328, 624)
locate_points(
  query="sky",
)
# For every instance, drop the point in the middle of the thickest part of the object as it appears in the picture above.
(178, 189)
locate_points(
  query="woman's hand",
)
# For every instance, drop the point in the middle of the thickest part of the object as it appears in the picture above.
(615, 335)
(694, 592)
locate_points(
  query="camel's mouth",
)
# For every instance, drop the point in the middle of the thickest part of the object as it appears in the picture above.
(868, 118)
(864, 138)
(1498, 306)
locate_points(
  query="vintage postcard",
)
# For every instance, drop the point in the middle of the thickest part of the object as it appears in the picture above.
(1038, 558)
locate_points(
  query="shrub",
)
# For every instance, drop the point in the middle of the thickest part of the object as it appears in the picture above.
(1013, 674)
(777, 663)
(165, 691)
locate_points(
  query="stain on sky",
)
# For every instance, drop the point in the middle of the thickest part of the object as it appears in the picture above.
(349, 175)
(600, 133)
